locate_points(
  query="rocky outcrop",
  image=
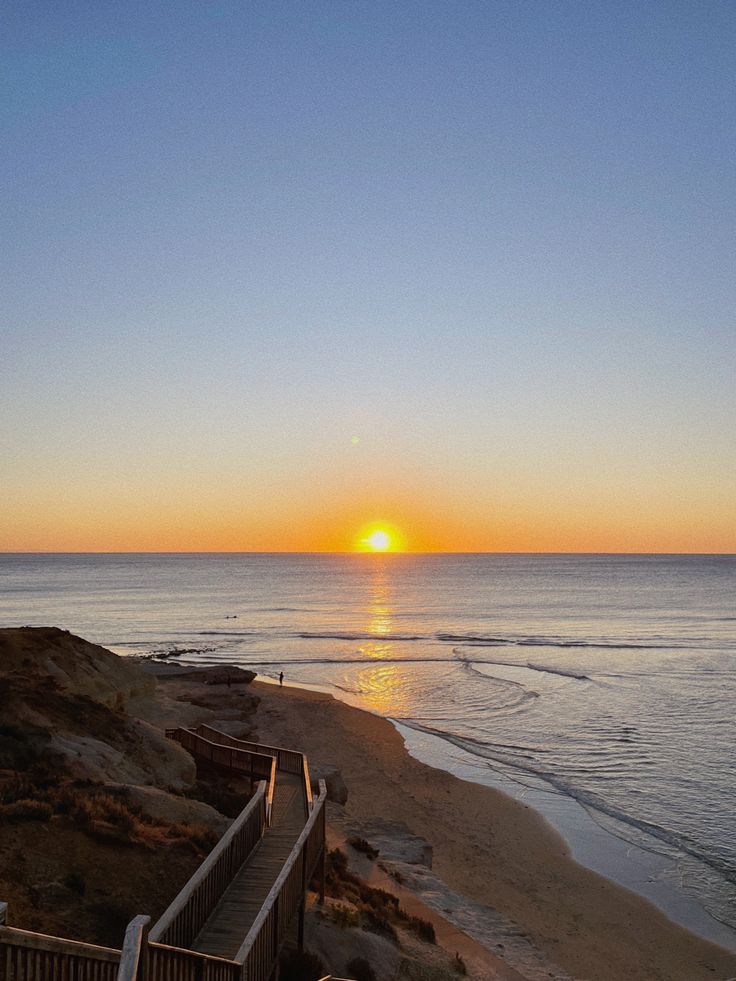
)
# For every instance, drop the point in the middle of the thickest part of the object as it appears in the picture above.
(66, 699)
(395, 841)
(142, 755)
(166, 807)
(227, 676)
(75, 665)
(337, 792)
(337, 946)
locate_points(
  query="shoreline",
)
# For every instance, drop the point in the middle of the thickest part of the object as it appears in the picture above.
(596, 847)
(592, 845)
(491, 848)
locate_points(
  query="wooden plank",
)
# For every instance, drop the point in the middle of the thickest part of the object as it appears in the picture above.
(261, 922)
(230, 922)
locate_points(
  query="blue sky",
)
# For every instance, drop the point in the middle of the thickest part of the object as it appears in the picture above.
(495, 240)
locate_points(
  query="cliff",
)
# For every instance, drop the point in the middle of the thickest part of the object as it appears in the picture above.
(98, 816)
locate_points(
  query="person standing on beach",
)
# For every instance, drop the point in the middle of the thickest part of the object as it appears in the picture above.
(281, 678)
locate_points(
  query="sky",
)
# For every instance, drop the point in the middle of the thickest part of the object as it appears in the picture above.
(274, 273)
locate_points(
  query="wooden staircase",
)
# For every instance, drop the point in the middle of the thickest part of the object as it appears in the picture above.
(232, 918)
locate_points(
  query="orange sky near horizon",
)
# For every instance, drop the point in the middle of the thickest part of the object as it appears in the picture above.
(566, 519)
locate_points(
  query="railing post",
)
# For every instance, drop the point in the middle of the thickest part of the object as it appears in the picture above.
(3, 914)
(303, 902)
(144, 965)
(323, 861)
(134, 955)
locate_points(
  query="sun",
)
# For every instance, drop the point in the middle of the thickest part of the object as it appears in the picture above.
(382, 537)
(378, 540)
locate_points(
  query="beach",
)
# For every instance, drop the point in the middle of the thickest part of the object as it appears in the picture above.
(489, 848)
(588, 686)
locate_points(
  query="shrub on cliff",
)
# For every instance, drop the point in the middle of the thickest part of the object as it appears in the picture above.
(359, 969)
(300, 965)
(26, 809)
(375, 909)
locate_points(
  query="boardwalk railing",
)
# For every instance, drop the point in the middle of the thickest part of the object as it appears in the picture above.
(256, 765)
(174, 964)
(164, 954)
(287, 760)
(261, 947)
(26, 956)
(191, 909)
(250, 759)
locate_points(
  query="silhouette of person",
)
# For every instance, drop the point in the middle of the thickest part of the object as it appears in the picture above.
(281, 678)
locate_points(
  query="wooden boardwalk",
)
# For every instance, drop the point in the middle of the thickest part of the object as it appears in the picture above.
(232, 918)
(229, 922)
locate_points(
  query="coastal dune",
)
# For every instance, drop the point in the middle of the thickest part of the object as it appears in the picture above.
(490, 848)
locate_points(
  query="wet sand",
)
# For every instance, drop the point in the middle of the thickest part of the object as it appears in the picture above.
(490, 848)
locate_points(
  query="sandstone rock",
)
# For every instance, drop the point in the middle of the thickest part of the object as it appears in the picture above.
(486, 925)
(337, 792)
(234, 727)
(76, 665)
(163, 806)
(337, 946)
(190, 672)
(142, 755)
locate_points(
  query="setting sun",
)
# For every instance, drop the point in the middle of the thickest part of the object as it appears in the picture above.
(379, 538)
(379, 541)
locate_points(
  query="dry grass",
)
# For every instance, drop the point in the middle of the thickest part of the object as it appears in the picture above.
(372, 909)
(97, 812)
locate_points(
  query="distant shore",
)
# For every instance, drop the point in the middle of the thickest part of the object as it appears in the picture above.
(494, 850)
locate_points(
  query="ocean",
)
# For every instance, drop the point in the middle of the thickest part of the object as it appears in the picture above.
(600, 688)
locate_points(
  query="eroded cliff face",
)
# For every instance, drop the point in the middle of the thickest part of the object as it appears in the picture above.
(66, 699)
(97, 823)
(76, 665)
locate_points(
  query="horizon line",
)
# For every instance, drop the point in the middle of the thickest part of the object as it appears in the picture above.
(344, 552)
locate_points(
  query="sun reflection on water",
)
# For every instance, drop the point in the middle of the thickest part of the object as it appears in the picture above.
(383, 687)
(380, 602)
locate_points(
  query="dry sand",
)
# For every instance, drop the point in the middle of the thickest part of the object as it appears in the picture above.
(491, 848)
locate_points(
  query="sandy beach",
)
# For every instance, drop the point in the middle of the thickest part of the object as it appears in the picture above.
(490, 848)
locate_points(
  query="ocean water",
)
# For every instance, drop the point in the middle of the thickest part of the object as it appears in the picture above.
(608, 681)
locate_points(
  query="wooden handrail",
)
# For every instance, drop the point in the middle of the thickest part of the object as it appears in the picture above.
(222, 753)
(134, 955)
(309, 803)
(288, 760)
(269, 792)
(189, 911)
(169, 963)
(259, 950)
(13, 937)
(24, 954)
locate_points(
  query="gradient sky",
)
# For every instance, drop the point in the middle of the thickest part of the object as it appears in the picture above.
(274, 271)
